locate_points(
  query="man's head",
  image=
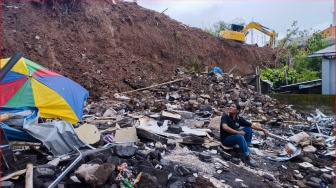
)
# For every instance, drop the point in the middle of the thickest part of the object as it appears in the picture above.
(235, 108)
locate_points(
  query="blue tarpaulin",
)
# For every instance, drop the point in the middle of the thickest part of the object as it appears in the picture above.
(217, 70)
(21, 117)
(58, 136)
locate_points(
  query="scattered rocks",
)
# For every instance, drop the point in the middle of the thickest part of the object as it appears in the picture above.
(328, 178)
(114, 160)
(164, 162)
(313, 184)
(226, 156)
(315, 170)
(298, 176)
(301, 184)
(315, 180)
(309, 149)
(182, 171)
(307, 159)
(235, 161)
(149, 181)
(96, 161)
(205, 157)
(95, 174)
(7, 184)
(238, 180)
(268, 177)
(305, 165)
(260, 106)
(175, 129)
(161, 176)
(125, 151)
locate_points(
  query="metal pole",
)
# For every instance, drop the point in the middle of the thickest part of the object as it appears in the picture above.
(278, 137)
(10, 64)
(66, 171)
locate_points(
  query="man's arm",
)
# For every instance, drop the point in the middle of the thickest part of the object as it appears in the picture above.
(256, 126)
(228, 129)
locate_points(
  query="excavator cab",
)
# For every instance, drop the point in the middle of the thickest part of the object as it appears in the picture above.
(235, 27)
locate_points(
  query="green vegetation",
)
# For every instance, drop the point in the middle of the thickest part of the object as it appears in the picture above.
(278, 76)
(195, 65)
(292, 60)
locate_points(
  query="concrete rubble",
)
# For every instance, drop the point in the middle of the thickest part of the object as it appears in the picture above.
(168, 136)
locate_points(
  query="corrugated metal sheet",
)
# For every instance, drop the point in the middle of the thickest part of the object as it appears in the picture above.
(58, 136)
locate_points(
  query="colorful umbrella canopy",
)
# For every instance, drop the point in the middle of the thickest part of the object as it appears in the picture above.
(30, 84)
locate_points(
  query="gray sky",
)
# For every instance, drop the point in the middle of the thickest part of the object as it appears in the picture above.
(276, 15)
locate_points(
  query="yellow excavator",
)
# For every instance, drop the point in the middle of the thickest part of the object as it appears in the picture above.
(238, 32)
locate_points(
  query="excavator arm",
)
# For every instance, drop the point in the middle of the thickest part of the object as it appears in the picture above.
(239, 34)
(263, 29)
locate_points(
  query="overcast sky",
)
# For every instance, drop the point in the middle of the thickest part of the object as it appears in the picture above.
(276, 15)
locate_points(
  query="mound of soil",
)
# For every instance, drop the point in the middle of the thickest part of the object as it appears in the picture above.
(110, 48)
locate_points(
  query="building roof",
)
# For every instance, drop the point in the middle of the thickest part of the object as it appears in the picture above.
(306, 84)
(300, 41)
(329, 51)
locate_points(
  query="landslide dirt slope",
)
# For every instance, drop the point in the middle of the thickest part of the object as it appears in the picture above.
(112, 48)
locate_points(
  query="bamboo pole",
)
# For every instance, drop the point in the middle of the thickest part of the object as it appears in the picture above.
(4, 117)
(154, 86)
(29, 176)
(13, 175)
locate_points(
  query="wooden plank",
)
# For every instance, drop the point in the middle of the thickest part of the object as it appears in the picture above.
(154, 86)
(29, 176)
(13, 175)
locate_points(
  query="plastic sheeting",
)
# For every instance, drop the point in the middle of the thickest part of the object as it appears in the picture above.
(21, 116)
(17, 135)
(217, 70)
(59, 136)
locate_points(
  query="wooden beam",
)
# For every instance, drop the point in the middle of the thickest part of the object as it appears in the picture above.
(13, 175)
(154, 86)
(29, 176)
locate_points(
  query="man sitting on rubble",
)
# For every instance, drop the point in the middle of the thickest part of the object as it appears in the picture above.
(232, 133)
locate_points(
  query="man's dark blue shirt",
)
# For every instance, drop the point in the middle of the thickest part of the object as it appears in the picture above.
(233, 124)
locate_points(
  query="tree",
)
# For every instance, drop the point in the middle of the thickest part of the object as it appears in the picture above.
(292, 58)
(309, 68)
(280, 76)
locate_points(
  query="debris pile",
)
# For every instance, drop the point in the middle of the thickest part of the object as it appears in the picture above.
(160, 134)
(196, 91)
(167, 136)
